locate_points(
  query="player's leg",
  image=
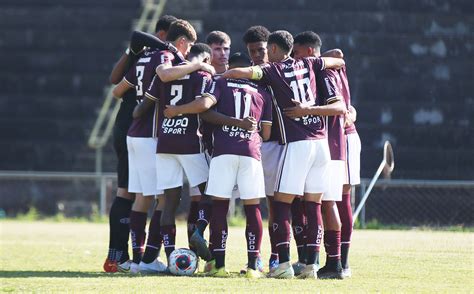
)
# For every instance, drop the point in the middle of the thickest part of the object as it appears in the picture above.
(281, 229)
(315, 184)
(332, 222)
(138, 218)
(345, 210)
(169, 175)
(193, 212)
(253, 234)
(345, 213)
(250, 180)
(271, 153)
(314, 234)
(296, 161)
(332, 242)
(168, 219)
(298, 225)
(196, 168)
(150, 262)
(119, 215)
(222, 178)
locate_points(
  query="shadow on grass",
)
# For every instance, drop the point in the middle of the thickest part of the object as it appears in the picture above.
(57, 274)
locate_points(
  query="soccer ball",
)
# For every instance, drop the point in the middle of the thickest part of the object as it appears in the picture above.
(183, 262)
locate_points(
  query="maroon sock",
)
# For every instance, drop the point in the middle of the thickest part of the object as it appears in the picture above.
(281, 229)
(345, 213)
(271, 234)
(253, 233)
(298, 226)
(153, 244)
(314, 232)
(274, 251)
(138, 234)
(168, 233)
(332, 243)
(204, 216)
(192, 218)
(219, 230)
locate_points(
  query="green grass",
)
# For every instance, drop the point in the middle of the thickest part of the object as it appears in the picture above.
(68, 256)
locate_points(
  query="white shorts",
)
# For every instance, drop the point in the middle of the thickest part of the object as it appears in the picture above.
(336, 175)
(141, 166)
(228, 170)
(271, 153)
(353, 159)
(171, 168)
(303, 167)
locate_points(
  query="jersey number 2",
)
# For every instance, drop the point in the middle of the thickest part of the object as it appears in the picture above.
(177, 92)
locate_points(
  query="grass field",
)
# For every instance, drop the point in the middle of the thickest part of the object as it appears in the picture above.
(60, 257)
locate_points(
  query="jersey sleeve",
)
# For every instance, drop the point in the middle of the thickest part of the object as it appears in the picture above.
(327, 83)
(203, 84)
(131, 76)
(317, 63)
(163, 57)
(267, 108)
(152, 92)
(267, 72)
(215, 90)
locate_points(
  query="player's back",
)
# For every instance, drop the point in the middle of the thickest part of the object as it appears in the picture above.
(295, 80)
(179, 135)
(140, 77)
(240, 98)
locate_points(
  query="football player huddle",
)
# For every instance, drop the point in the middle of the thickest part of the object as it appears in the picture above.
(276, 124)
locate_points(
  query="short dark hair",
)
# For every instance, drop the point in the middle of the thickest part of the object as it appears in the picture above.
(163, 24)
(308, 38)
(181, 27)
(239, 59)
(200, 48)
(283, 39)
(256, 34)
(217, 37)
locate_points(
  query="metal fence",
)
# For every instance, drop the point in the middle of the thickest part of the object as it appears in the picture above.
(391, 202)
(418, 203)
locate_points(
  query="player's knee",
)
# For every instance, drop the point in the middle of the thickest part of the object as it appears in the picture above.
(142, 203)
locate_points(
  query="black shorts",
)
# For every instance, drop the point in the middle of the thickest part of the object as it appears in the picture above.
(122, 124)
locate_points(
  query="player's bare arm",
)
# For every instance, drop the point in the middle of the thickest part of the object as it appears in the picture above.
(121, 68)
(266, 131)
(122, 87)
(168, 73)
(197, 106)
(143, 107)
(336, 53)
(249, 123)
(241, 73)
(335, 108)
(334, 63)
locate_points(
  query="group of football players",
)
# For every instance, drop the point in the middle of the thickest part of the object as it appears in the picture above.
(276, 124)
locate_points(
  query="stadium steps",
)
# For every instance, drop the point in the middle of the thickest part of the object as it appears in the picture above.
(423, 6)
(57, 58)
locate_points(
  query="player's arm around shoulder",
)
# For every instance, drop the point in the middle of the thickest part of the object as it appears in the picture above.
(250, 73)
(333, 63)
(198, 105)
(167, 72)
